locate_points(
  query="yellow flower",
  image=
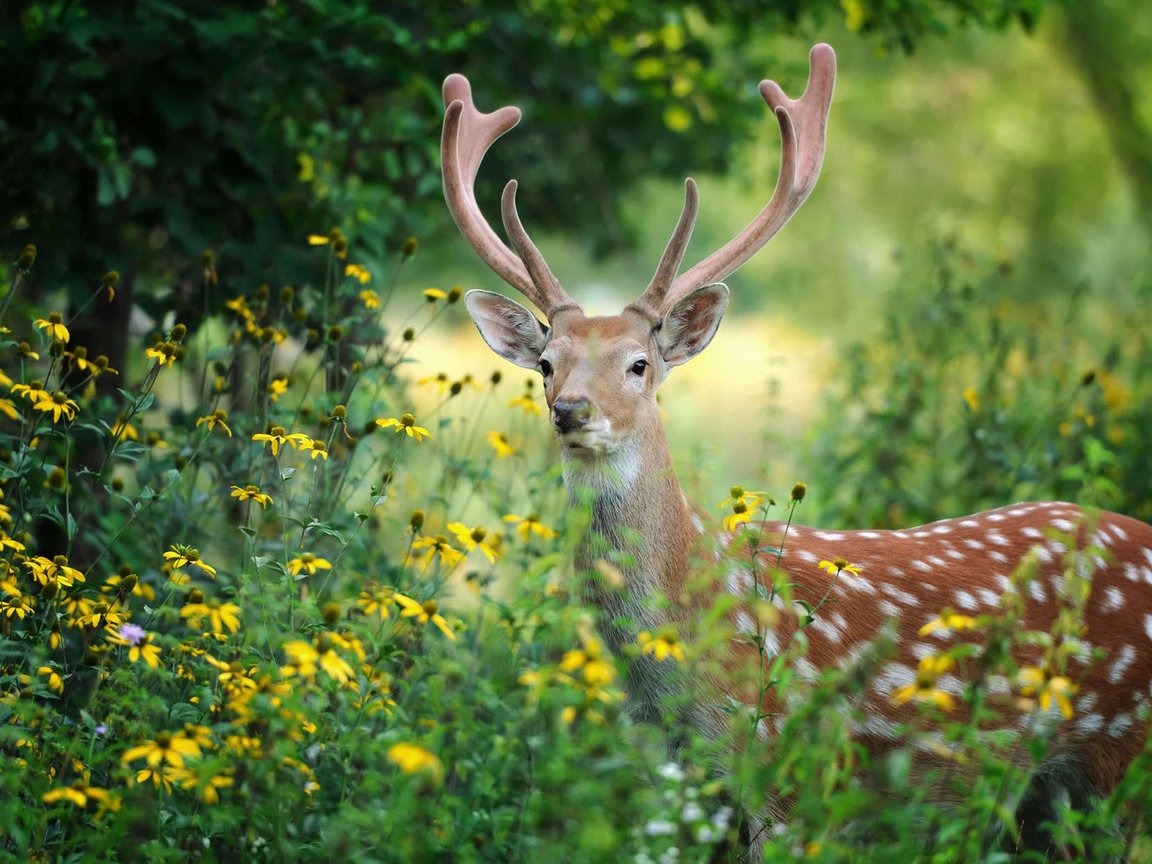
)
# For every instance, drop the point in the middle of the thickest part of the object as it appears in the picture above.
(414, 759)
(55, 571)
(407, 425)
(972, 397)
(336, 238)
(308, 563)
(596, 672)
(304, 659)
(15, 603)
(184, 556)
(501, 444)
(437, 545)
(529, 525)
(53, 326)
(370, 298)
(277, 436)
(57, 404)
(439, 380)
(837, 566)
(221, 615)
(277, 387)
(124, 430)
(527, 403)
(948, 621)
(924, 689)
(100, 614)
(207, 785)
(81, 794)
(251, 493)
(663, 645)
(434, 294)
(164, 352)
(55, 679)
(166, 749)
(216, 418)
(358, 272)
(1048, 688)
(423, 613)
(315, 447)
(473, 538)
(33, 391)
(740, 515)
(374, 599)
(740, 495)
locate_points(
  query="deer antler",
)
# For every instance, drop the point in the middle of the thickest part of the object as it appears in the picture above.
(803, 123)
(468, 133)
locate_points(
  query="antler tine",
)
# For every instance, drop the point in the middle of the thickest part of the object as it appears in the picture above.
(468, 133)
(653, 297)
(803, 124)
(552, 298)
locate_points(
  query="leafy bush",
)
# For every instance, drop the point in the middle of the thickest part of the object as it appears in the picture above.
(258, 607)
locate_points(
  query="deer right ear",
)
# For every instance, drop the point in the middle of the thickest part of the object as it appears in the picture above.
(509, 329)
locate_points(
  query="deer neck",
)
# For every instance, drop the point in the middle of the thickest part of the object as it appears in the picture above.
(640, 524)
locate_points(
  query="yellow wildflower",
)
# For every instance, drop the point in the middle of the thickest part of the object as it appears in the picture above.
(407, 425)
(414, 759)
(423, 613)
(924, 689)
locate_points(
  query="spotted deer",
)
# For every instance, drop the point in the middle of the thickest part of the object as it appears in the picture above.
(600, 379)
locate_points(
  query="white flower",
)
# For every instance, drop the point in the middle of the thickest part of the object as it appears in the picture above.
(660, 827)
(671, 771)
(692, 812)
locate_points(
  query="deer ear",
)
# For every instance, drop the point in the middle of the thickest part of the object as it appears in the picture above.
(509, 329)
(691, 323)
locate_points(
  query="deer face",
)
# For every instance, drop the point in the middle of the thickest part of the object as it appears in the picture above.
(601, 373)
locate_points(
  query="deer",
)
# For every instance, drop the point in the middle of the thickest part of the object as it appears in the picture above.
(600, 378)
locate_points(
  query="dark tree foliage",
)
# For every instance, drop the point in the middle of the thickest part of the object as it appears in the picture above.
(136, 133)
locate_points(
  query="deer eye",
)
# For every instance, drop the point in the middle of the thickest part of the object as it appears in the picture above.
(545, 367)
(638, 367)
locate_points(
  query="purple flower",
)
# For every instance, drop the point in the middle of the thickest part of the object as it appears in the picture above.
(131, 633)
(101, 729)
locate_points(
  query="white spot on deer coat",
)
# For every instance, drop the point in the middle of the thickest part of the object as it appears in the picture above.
(1148, 626)
(899, 595)
(828, 536)
(744, 622)
(973, 544)
(826, 629)
(922, 566)
(965, 600)
(1032, 533)
(987, 597)
(1120, 725)
(888, 609)
(1113, 599)
(1125, 658)
(997, 539)
(1090, 722)
(892, 677)
(868, 535)
(740, 581)
(1036, 589)
(1063, 525)
(876, 727)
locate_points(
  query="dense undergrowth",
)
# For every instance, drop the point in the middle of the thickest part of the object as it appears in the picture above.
(255, 607)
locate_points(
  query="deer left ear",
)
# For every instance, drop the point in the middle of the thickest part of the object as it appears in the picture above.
(689, 325)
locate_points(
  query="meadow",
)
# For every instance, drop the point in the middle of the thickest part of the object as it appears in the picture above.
(288, 595)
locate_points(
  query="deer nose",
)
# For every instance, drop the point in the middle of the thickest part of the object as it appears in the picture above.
(570, 416)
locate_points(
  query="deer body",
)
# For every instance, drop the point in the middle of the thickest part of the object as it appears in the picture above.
(600, 380)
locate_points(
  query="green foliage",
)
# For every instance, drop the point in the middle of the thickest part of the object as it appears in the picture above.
(978, 391)
(348, 669)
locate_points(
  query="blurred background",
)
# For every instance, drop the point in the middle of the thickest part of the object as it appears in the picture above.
(955, 319)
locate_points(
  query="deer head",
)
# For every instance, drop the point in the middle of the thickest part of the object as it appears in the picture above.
(601, 373)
